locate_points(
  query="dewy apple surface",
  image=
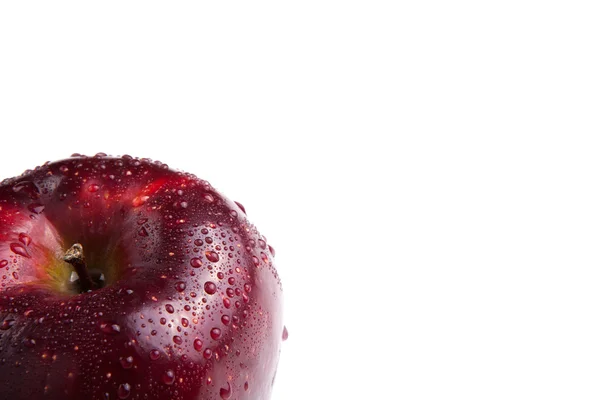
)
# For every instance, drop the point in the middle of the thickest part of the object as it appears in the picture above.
(124, 279)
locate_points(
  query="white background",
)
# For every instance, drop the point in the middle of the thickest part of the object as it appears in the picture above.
(428, 171)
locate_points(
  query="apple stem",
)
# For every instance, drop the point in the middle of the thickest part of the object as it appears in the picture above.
(74, 256)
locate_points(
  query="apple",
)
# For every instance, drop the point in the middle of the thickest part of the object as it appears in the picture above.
(123, 279)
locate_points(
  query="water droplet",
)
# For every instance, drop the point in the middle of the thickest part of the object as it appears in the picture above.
(208, 197)
(246, 386)
(272, 250)
(233, 214)
(207, 354)
(15, 275)
(36, 208)
(110, 328)
(227, 303)
(168, 377)
(262, 244)
(24, 238)
(27, 187)
(231, 280)
(18, 248)
(211, 256)
(124, 391)
(240, 206)
(215, 333)
(225, 319)
(284, 335)
(229, 292)
(3, 263)
(126, 362)
(195, 262)
(184, 322)
(197, 344)
(247, 287)
(63, 168)
(256, 261)
(210, 287)
(29, 342)
(139, 200)
(143, 232)
(177, 339)
(170, 309)
(93, 188)
(154, 354)
(163, 321)
(264, 257)
(180, 286)
(226, 392)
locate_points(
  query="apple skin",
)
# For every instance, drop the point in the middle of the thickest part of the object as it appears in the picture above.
(192, 308)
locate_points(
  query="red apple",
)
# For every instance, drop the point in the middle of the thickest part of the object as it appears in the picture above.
(124, 279)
